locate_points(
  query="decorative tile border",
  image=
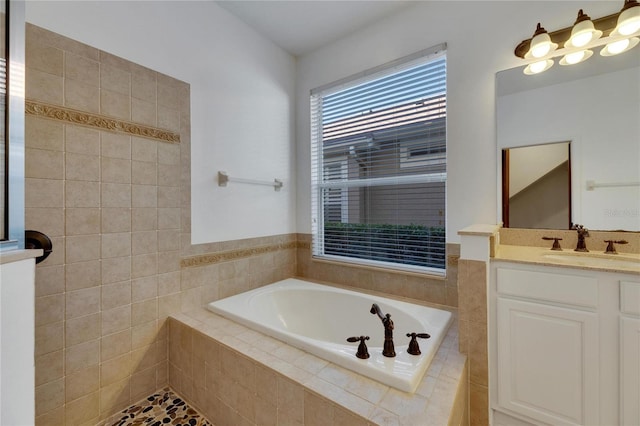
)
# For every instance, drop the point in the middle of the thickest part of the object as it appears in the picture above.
(101, 122)
(224, 256)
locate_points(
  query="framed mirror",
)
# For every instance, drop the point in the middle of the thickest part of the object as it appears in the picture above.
(536, 186)
(592, 111)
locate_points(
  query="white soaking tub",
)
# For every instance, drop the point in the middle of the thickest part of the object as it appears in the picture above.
(319, 318)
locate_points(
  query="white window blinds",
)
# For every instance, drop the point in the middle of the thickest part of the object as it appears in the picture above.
(379, 166)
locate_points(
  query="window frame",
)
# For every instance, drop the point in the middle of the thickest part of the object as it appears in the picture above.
(318, 163)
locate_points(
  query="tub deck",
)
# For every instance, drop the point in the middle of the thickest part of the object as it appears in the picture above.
(207, 351)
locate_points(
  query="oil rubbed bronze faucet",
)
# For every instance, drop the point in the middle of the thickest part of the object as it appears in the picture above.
(611, 249)
(388, 349)
(582, 232)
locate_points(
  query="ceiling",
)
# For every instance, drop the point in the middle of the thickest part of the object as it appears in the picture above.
(300, 26)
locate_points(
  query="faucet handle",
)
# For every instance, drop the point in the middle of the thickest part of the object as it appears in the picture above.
(414, 348)
(556, 244)
(610, 245)
(362, 353)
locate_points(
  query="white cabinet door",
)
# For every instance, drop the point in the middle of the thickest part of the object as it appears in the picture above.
(630, 371)
(548, 360)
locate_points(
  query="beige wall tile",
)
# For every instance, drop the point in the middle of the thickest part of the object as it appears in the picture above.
(115, 145)
(82, 248)
(41, 133)
(478, 359)
(144, 242)
(116, 219)
(168, 95)
(82, 275)
(79, 357)
(168, 153)
(115, 397)
(82, 69)
(168, 240)
(478, 405)
(143, 383)
(290, 402)
(49, 337)
(116, 195)
(82, 302)
(44, 58)
(49, 309)
(82, 194)
(317, 410)
(83, 329)
(49, 280)
(144, 196)
(48, 220)
(168, 175)
(81, 96)
(168, 218)
(143, 312)
(144, 288)
(83, 409)
(52, 418)
(114, 345)
(57, 256)
(116, 245)
(143, 334)
(44, 193)
(144, 265)
(143, 172)
(169, 304)
(115, 79)
(81, 140)
(144, 85)
(81, 221)
(82, 382)
(49, 396)
(168, 196)
(115, 104)
(49, 367)
(144, 150)
(144, 219)
(44, 87)
(143, 112)
(168, 283)
(44, 164)
(115, 369)
(168, 118)
(114, 295)
(116, 170)
(116, 319)
(116, 269)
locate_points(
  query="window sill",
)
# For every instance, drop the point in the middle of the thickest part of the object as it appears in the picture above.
(11, 256)
(427, 274)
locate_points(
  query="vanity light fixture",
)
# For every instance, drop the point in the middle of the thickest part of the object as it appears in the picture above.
(616, 34)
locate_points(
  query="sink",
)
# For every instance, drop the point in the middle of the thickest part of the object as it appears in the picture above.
(599, 260)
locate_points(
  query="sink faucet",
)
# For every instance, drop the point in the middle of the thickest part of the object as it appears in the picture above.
(388, 349)
(582, 232)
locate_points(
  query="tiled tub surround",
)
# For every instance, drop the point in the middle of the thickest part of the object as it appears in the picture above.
(235, 375)
(111, 201)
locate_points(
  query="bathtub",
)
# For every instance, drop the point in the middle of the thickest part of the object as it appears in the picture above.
(318, 319)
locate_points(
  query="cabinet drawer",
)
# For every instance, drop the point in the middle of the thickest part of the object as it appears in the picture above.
(630, 297)
(567, 289)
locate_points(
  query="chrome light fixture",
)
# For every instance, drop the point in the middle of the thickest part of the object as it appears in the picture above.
(621, 33)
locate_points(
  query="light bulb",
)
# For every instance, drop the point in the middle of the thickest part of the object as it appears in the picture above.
(538, 67)
(541, 49)
(630, 27)
(575, 57)
(629, 18)
(617, 46)
(582, 39)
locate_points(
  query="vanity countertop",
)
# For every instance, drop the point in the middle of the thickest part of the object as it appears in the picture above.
(622, 262)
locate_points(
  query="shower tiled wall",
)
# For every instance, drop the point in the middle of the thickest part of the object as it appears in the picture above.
(111, 202)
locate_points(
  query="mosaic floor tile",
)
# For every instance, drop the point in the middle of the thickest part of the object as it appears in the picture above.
(162, 408)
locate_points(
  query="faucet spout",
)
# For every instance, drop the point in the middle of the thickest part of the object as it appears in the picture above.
(388, 349)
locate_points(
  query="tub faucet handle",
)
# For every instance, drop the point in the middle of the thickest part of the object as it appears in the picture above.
(362, 353)
(610, 245)
(556, 244)
(414, 348)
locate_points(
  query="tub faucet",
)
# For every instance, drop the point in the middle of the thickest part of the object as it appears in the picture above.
(582, 232)
(388, 349)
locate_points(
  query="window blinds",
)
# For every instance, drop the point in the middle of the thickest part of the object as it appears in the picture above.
(379, 167)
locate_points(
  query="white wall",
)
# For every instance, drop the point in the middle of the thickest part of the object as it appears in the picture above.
(481, 37)
(242, 96)
(17, 343)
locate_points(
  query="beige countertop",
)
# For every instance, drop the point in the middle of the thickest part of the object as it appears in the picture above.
(593, 260)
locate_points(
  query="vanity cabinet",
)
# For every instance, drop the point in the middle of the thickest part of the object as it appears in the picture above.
(562, 349)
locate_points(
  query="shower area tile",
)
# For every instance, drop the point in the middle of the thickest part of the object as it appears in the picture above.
(162, 408)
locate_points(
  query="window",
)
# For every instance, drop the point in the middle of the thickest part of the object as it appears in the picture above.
(378, 147)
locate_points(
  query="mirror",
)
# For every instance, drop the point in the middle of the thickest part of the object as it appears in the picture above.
(590, 111)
